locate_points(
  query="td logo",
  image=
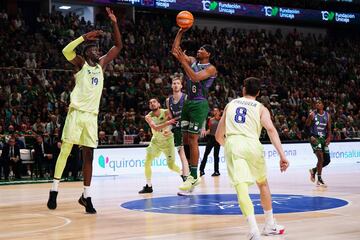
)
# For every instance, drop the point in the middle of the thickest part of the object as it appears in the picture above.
(327, 16)
(271, 11)
(208, 5)
(102, 161)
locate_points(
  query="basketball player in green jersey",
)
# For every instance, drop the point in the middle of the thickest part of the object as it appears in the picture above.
(81, 122)
(319, 125)
(162, 141)
(239, 131)
(174, 104)
(201, 75)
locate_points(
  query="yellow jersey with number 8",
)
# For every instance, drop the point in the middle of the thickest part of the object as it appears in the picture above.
(88, 88)
(243, 118)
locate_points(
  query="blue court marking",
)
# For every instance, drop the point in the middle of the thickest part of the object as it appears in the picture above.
(227, 204)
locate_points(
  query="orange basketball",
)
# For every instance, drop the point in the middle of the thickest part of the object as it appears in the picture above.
(184, 19)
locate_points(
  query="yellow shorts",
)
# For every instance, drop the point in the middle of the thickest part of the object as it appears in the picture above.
(81, 128)
(167, 147)
(245, 160)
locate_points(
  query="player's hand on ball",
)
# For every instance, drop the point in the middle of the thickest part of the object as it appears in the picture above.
(284, 164)
(182, 30)
(111, 15)
(93, 35)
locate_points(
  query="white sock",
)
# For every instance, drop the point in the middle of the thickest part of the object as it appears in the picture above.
(148, 182)
(55, 185)
(87, 191)
(252, 224)
(269, 217)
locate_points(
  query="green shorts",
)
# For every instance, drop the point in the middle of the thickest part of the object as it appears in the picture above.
(177, 137)
(244, 160)
(193, 115)
(320, 145)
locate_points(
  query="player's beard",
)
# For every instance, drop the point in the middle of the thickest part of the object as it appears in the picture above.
(96, 60)
(155, 109)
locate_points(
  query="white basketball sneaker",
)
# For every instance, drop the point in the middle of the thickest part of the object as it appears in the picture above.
(274, 229)
(189, 184)
(253, 236)
(185, 193)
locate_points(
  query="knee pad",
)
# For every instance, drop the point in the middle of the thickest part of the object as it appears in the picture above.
(326, 159)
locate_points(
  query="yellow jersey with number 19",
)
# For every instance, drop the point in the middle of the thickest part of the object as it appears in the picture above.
(88, 88)
(243, 118)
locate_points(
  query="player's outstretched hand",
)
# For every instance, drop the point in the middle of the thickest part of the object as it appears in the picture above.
(93, 35)
(179, 54)
(284, 164)
(111, 15)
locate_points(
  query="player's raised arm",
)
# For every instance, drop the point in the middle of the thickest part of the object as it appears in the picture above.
(69, 52)
(114, 51)
(176, 45)
(194, 76)
(309, 119)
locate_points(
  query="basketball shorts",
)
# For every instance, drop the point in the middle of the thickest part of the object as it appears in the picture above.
(320, 145)
(177, 137)
(244, 159)
(81, 128)
(156, 147)
(193, 115)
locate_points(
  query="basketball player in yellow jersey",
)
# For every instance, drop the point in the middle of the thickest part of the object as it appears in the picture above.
(81, 122)
(162, 141)
(239, 131)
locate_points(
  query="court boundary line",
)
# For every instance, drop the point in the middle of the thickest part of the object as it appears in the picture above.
(67, 221)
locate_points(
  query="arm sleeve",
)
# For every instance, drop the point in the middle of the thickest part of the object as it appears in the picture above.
(68, 51)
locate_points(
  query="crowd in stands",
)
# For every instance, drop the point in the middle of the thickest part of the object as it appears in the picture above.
(296, 69)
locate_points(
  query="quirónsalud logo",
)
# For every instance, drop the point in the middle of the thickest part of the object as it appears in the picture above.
(102, 161)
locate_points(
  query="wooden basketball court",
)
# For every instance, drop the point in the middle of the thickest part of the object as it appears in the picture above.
(24, 215)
